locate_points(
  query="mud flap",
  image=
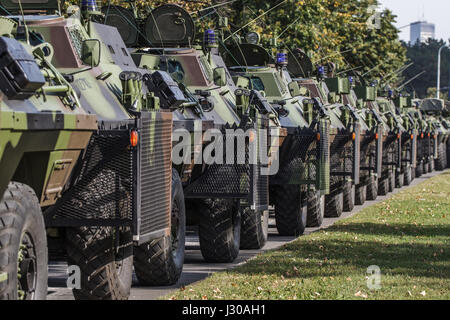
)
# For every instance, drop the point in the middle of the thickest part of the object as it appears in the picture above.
(379, 151)
(154, 176)
(399, 153)
(414, 149)
(435, 146)
(356, 153)
(259, 169)
(323, 176)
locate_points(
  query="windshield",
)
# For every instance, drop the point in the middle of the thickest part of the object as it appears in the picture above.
(270, 83)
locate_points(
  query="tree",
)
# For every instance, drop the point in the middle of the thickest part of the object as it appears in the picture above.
(425, 56)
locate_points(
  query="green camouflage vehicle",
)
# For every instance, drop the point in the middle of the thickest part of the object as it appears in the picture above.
(228, 201)
(433, 109)
(394, 170)
(346, 188)
(353, 92)
(298, 189)
(86, 150)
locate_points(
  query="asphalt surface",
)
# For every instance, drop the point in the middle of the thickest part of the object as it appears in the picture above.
(195, 268)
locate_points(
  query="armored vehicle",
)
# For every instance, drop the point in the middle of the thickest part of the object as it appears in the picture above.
(226, 199)
(298, 189)
(343, 90)
(344, 135)
(89, 152)
(433, 109)
(392, 147)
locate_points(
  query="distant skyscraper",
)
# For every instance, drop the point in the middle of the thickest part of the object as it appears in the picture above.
(421, 31)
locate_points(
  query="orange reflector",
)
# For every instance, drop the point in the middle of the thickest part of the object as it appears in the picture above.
(353, 136)
(429, 134)
(376, 136)
(134, 138)
(398, 136)
(318, 136)
(412, 137)
(421, 135)
(251, 136)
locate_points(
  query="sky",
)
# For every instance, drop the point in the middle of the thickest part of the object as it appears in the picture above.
(434, 11)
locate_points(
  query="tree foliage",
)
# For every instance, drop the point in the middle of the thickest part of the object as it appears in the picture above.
(328, 30)
(425, 58)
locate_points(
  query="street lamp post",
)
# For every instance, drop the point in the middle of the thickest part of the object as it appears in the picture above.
(439, 73)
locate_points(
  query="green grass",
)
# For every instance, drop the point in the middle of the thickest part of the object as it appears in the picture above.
(408, 237)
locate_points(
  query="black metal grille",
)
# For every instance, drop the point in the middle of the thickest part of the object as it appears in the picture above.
(155, 173)
(390, 154)
(298, 159)
(341, 159)
(407, 149)
(368, 155)
(102, 192)
(240, 180)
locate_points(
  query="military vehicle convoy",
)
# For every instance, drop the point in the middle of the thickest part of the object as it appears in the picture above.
(85, 157)
(298, 190)
(115, 133)
(346, 188)
(226, 200)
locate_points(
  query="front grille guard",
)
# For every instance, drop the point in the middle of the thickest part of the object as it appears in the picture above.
(117, 185)
(408, 152)
(345, 156)
(371, 152)
(243, 179)
(391, 153)
(426, 148)
(305, 158)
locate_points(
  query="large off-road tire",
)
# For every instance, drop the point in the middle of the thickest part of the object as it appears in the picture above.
(360, 195)
(160, 261)
(334, 205)
(219, 229)
(383, 187)
(419, 170)
(254, 228)
(372, 189)
(106, 268)
(426, 167)
(407, 176)
(349, 197)
(290, 217)
(23, 245)
(448, 153)
(399, 179)
(316, 209)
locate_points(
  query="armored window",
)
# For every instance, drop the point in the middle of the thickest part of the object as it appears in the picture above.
(111, 49)
(124, 51)
(257, 84)
(172, 67)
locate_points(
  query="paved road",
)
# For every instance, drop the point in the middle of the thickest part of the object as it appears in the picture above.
(195, 268)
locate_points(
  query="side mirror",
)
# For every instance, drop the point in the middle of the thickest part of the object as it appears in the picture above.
(220, 77)
(294, 89)
(90, 52)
